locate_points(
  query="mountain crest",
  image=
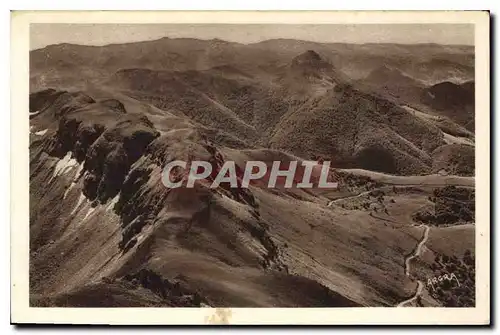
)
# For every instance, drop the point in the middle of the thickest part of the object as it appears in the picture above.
(309, 58)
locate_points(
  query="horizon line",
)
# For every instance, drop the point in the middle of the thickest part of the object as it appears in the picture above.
(253, 43)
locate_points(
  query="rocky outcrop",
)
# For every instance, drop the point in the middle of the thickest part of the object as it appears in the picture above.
(110, 157)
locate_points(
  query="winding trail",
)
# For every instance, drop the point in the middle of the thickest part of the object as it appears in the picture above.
(418, 292)
(391, 185)
(415, 254)
(350, 197)
(441, 181)
(418, 250)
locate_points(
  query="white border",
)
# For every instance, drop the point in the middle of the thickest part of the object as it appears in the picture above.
(22, 313)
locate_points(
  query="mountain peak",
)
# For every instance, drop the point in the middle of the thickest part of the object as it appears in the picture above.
(310, 56)
(310, 61)
(311, 65)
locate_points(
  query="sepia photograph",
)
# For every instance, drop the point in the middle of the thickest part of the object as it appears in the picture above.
(220, 165)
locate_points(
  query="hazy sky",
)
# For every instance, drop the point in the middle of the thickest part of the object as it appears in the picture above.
(101, 34)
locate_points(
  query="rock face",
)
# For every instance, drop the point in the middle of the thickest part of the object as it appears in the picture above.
(101, 134)
(110, 157)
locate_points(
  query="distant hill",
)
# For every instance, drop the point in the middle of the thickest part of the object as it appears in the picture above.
(456, 101)
(454, 159)
(441, 69)
(355, 129)
(261, 59)
(393, 84)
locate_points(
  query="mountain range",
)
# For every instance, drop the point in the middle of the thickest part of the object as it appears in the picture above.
(396, 121)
